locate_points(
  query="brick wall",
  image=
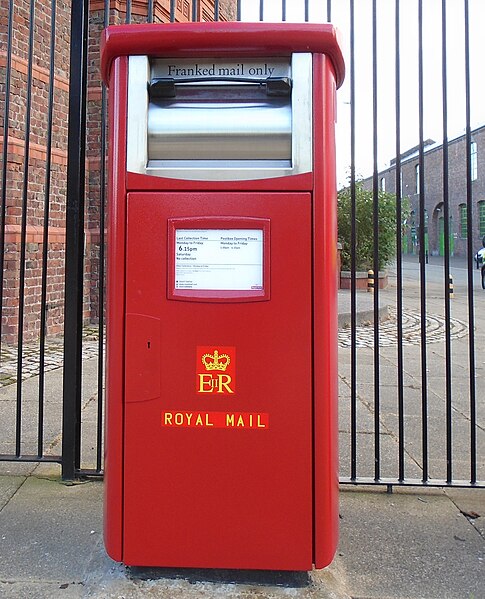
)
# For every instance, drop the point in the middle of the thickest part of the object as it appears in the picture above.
(26, 170)
(25, 179)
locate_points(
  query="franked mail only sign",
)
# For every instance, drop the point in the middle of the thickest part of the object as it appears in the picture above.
(183, 68)
(219, 259)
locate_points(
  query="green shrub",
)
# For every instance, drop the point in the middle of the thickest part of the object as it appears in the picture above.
(365, 229)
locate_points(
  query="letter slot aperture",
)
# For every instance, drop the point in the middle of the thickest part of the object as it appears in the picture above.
(223, 119)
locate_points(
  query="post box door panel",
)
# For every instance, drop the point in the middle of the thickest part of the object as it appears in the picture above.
(218, 440)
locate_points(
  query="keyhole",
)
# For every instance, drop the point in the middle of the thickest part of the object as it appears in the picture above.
(148, 344)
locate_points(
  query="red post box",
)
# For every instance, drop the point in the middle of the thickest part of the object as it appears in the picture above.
(221, 436)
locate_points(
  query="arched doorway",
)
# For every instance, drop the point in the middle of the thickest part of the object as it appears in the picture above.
(441, 235)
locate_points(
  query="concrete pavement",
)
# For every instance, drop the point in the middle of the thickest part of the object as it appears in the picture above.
(420, 543)
(413, 543)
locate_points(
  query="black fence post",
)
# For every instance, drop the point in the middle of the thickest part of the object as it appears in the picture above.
(74, 261)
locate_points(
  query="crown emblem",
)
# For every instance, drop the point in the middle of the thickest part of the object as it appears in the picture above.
(216, 361)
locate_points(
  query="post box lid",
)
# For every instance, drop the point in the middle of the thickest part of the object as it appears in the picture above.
(235, 39)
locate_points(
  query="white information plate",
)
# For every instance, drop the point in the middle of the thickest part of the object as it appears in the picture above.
(219, 259)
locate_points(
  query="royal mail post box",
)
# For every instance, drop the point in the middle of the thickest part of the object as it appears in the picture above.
(221, 434)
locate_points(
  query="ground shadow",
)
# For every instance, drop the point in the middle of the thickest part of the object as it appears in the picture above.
(251, 577)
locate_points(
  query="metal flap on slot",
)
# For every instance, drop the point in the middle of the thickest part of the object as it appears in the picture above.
(165, 87)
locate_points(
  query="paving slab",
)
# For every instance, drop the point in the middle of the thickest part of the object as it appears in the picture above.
(49, 531)
(16, 468)
(471, 503)
(365, 446)
(41, 590)
(9, 485)
(52, 410)
(405, 545)
(364, 416)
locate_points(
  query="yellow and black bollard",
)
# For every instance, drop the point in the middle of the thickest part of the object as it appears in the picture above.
(370, 281)
(450, 286)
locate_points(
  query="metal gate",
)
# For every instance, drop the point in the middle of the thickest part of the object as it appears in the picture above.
(410, 159)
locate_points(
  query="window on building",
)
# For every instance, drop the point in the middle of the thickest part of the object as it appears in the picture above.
(383, 184)
(481, 217)
(463, 221)
(416, 177)
(474, 160)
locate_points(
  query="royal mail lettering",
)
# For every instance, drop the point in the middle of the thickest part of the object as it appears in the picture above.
(229, 420)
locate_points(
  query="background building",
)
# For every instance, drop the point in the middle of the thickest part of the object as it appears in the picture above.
(433, 193)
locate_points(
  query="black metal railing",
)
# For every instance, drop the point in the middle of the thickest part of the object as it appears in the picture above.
(452, 384)
(14, 289)
(400, 423)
